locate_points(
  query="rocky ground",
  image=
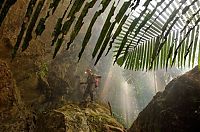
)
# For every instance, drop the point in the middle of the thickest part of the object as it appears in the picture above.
(77, 118)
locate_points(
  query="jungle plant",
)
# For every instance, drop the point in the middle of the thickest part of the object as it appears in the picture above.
(43, 70)
(150, 35)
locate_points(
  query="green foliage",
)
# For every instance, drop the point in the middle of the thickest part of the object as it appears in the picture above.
(130, 29)
(117, 20)
(166, 44)
(104, 30)
(43, 70)
(58, 45)
(58, 27)
(41, 25)
(161, 36)
(88, 34)
(67, 24)
(79, 22)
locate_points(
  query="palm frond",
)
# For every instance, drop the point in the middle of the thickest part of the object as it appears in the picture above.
(150, 35)
(172, 42)
(88, 34)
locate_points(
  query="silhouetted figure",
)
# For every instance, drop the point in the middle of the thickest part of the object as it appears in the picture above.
(92, 82)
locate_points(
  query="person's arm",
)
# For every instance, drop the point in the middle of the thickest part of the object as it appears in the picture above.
(83, 82)
(97, 76)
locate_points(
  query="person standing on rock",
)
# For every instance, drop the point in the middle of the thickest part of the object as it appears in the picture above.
(92, 82)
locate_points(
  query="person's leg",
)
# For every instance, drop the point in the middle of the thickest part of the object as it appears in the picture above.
(85, 95)
(91, 95)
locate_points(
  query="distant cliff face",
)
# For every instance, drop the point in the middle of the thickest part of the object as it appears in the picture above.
(176, 109)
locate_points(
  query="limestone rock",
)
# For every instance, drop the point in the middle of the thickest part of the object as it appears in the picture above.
(14, 117)
(176, 109)
(6, 86)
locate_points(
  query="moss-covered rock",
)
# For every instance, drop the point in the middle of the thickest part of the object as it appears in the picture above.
(76, 118)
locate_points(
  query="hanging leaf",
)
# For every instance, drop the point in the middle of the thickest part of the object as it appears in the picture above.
(146, 19)
(71, 16)
(5, 9)
(57, 30)
(31, 25)
(117, 32)
(128, 60)
(170, 48)
(171, 17)
(188, 32)
(58, 45)
(190, 19)
(54, 5)
(41, 25)
(88, 34)
(104, 30)
(28, 14)
(132, 26)
(156, 47)
(58, 27)
(195, 46)
(148, 54)
(79, 22)
(118, 19)
(104, 46)
(166, 35)
(187, 45)
(144, 56)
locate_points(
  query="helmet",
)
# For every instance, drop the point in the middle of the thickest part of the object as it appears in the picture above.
(88, 71)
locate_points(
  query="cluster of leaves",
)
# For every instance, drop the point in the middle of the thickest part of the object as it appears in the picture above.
(41, 25)
(165, 33)
(28, 25)
(156, 43)
(63, 29)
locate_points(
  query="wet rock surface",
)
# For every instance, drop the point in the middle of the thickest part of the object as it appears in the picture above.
(176, 109)
(78, 118)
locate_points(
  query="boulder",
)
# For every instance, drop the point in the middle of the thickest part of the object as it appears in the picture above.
(176, 109)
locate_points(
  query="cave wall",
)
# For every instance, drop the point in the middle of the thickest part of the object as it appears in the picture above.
(15, 116)
(39, 77)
